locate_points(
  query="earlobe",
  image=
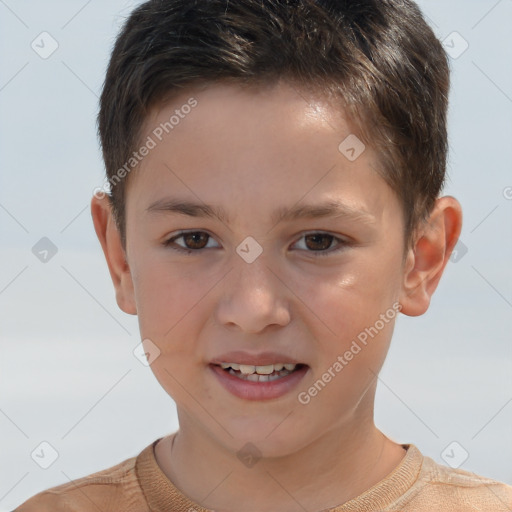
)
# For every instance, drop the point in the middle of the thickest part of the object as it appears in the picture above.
(427, 259)
(110, 240)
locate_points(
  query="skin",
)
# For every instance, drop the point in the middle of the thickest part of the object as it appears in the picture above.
(251, 151)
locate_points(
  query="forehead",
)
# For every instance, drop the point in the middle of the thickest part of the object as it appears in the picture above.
(253, 146)
(230, 115)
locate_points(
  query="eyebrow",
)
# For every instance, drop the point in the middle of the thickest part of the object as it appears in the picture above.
(312, 211)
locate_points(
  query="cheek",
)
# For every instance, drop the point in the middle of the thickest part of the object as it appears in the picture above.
(166, 296)
(348, 301)
(171, 313)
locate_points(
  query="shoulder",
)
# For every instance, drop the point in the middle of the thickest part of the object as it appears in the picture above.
(459, 490)
(116, 486)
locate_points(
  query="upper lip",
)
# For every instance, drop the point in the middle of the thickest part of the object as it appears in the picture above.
(261, 359)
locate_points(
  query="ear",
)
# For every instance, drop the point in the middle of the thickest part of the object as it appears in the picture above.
(110, 240)
(427, 259)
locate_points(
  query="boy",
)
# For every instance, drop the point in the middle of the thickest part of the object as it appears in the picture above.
(236, 137)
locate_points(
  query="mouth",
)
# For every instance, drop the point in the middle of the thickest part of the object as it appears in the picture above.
(263, 373)
(258, 377)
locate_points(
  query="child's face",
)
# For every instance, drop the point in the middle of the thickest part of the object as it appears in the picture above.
(301, 300)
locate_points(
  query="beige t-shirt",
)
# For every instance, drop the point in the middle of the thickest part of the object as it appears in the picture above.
(417, 484)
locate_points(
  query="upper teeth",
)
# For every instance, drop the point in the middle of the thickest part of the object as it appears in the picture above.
(248, 369)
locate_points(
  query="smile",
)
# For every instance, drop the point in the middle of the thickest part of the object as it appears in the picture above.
(259, 382)
(265, 373)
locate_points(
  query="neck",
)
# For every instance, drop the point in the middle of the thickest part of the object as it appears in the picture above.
(326, 473)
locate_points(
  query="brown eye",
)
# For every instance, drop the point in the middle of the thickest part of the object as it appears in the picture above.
(319, 241)
(321, 244)
(192, 241)
(196, 240)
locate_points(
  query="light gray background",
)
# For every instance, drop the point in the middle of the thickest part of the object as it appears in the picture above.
(67, 372)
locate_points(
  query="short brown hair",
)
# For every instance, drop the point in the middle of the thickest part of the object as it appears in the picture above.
(378, 58)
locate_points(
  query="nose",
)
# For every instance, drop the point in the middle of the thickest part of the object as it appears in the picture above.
(254, 298)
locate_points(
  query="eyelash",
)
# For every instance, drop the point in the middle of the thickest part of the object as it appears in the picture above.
(342, 244)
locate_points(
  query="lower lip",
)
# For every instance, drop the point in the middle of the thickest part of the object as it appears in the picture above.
(249, 390)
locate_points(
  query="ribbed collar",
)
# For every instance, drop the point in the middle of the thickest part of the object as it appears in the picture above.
(163, 496)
